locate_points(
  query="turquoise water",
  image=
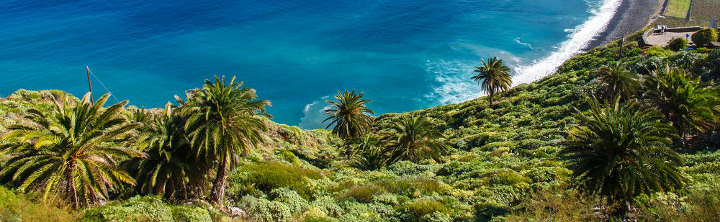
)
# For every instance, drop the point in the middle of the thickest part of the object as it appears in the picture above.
(404, 55)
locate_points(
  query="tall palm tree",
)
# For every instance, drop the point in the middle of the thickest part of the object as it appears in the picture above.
(70, 152)
(689, 105)
(224, 122)
(415, 139)
(349, 116)
(493, 77)
(171, 165)
(617, 81)
(620, 151)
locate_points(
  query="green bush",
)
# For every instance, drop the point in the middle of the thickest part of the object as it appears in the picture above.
(364, 193)
(138, 208)
(658, 51)
(19, 207)
(190, 214)
(416, 210)
(292, 199)
(705, 37)
(678, 44)
(268, 176)
(700, 202)
(264, 210)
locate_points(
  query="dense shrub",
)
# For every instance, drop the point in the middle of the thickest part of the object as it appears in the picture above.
(658, 51)
(139, 208)
(190, 214)
(417, 209)
(364, 193)
(699, 204)
(678, 44)
(265, 177)
(265, 210)
(19, 207)
(705, 37)
(560, 205)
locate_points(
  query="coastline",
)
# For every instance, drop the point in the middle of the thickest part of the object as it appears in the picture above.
(630, 17)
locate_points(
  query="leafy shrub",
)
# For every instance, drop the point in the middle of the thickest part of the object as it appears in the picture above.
(700, 204)
(268, 176)
(328, 206)
(19, 207)
(712, 64)
(190, 214)
(511, 178)
(138, 208)
(293, 200)
(486, 211)
(559, 205)
(417, 209)
(319, 219)
(264, 210)
(678, 44)
(705, 37)
(658, 51)
(364, 193)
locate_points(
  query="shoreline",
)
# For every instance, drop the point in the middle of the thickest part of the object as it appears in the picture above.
(631, 17)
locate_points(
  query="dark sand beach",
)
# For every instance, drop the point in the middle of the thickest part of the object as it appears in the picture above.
(632, 16)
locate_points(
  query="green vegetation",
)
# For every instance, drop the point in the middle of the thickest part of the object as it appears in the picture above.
(415, 139)
(617, 81)
(493, 76)
(685, 101)
(19, 207)
(678, 8)
(69, 151)
(223, 123)
(705, 37)
(349, 116)
(678, 44)
(645, 149)
(620, 151)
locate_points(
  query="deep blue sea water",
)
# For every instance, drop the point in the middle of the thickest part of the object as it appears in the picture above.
(404, 54)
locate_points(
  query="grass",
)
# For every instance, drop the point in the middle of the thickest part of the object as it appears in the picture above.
(678, 8)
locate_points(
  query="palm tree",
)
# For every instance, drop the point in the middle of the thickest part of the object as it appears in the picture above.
(372, 153)
(617, 80)
(690, 107)
(70, 152)
(349, 116)
(620, 151)
(171, 166)
(224, 122)
(493, 77)
(415, 139)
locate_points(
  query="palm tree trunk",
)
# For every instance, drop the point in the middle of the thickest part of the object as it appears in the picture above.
(218, 190)
(491, 98)
(71, 186)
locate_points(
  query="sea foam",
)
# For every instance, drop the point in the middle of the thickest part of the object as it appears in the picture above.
(579, 38)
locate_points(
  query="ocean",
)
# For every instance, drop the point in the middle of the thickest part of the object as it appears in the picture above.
(403, 54)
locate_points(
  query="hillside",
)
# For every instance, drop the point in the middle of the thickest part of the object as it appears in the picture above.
(503, 162)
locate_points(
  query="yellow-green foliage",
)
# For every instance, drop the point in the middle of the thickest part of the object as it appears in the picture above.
(20, 207)
(416, 210)
(146, 208)
(265, 177)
